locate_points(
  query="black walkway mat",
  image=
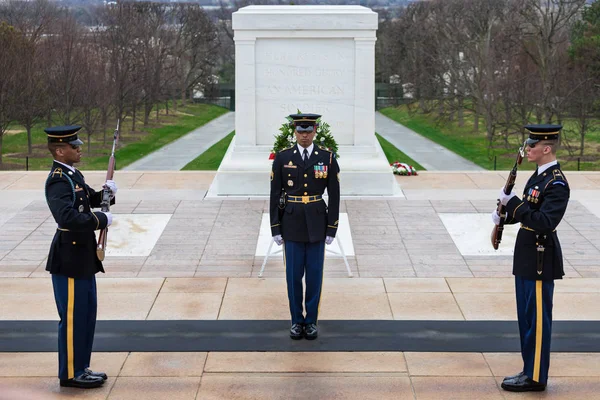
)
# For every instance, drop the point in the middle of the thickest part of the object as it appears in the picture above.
(334, 335)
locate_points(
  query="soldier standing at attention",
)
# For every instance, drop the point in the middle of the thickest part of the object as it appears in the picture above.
(538, 257)
(72, 261)
(302, 221)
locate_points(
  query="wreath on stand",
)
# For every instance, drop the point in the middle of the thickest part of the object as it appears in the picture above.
(286, 137)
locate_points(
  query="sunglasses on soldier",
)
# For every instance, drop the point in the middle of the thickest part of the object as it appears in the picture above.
(532, 145)
(64, 145)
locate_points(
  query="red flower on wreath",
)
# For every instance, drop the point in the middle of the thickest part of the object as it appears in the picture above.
(399, 168)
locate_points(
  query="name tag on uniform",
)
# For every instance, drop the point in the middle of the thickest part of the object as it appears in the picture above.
(290, 166)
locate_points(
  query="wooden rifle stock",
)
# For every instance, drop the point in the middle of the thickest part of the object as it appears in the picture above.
(105, 204)
(508, 187)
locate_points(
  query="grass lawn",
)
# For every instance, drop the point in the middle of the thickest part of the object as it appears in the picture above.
(393, 154)
(212, 157)
(132, 145)
(474, 146)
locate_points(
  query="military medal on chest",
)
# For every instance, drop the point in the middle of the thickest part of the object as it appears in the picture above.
(320, 171)
(533, 195)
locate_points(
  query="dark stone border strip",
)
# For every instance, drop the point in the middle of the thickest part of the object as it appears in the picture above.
(270, 335)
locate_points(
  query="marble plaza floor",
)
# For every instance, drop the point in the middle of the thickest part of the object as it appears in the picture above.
(175, 256)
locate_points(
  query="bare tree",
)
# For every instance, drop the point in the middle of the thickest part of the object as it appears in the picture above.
(194, 48)
(417, 54)
(63, 53)
(11, 44)
(152, 49)
(119, 42)
(582, 98)
(32, 19)
(546, 24)
(91, 85)
(31, 94)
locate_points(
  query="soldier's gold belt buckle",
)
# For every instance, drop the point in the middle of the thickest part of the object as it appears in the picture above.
(305, 199)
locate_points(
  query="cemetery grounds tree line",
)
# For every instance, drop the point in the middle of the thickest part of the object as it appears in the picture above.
(133, 59)
(506, 62)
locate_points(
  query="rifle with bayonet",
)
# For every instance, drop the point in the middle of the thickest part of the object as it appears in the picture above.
(105, 203)
(508, 187)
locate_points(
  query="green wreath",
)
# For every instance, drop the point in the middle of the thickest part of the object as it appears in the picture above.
(286, 137)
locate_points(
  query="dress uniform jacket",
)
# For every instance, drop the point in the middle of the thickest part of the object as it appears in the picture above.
(312, 220)
(543, 206)
(73, 249)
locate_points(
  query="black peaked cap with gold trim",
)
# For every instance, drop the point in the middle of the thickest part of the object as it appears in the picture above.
(304, 122)
(64, 134)
(542, 132)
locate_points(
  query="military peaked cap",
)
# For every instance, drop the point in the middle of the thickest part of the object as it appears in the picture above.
(304, 122)
(64, 134)
(542, 132)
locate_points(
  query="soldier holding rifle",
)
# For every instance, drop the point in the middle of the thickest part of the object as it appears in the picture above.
(538, 257)
(72, 261)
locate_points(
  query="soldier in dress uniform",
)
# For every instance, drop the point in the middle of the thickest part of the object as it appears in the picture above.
(302, 221)
(538, 257)
(72, 261)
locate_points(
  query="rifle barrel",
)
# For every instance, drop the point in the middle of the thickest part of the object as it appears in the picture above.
(105, 205)
(501, 210)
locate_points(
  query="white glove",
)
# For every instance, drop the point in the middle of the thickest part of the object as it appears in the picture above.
(109, 217)
(278, 239)
(495, 217)
(505, 198)
(329, 239)
(112, 186)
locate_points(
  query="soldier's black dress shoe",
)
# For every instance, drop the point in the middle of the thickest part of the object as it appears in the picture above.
(97, 374)
(83, 381)
(523, 384)
(311, 331)
(513, 377)
(296, 331)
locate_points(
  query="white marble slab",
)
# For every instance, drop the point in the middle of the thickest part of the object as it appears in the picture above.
(134, 235)
(5, 216)
(592, 205)
(319, 59)
(316, 59)
(344, 236)
(313, 75)
(471, 233)
(245, 171)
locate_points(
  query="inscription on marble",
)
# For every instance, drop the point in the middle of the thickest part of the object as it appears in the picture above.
(295, 71)
(306, 75)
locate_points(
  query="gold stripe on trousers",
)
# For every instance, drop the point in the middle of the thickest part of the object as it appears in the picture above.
(70, 312)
